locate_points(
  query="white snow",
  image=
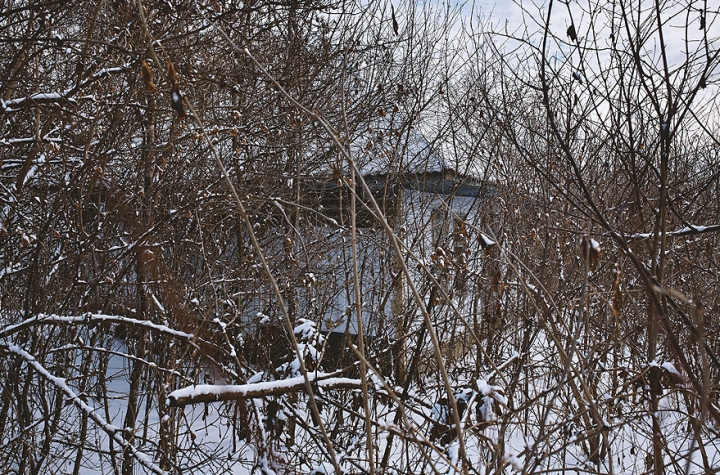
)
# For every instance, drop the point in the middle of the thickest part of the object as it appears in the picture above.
(260, 388)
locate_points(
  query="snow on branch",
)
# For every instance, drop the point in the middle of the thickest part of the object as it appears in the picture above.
(690, 229)
(95, 318)
(39, 98)
(14, 105)
(113, 431)
(214, 392)
(91, 318)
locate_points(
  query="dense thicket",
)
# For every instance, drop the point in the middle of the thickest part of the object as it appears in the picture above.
(511, 226)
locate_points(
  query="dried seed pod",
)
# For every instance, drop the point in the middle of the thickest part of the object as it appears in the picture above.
(571, 32)
(395, 26)
(590, 249)
(147, 76)
(172, 74)
(177, 102)
(617, 301)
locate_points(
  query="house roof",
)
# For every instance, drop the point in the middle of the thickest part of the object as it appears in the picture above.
(384, 150)
(410, 161)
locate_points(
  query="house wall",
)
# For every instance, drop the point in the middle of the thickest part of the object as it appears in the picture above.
(440, 232)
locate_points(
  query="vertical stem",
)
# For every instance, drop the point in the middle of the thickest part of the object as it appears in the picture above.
(397, 304)
(360, 331)
(358, 292)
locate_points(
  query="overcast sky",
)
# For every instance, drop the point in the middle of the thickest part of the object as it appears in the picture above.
(682, 20)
